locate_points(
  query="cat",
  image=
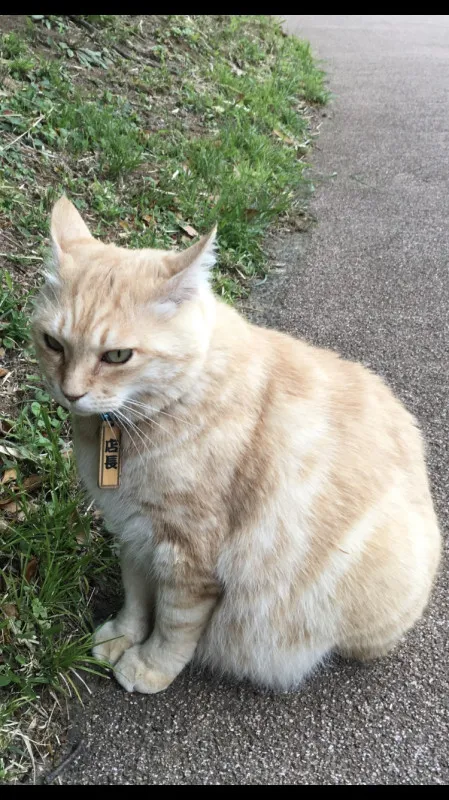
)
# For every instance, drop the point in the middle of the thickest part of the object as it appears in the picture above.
(273, 505)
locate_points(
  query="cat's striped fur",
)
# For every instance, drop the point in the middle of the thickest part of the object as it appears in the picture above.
(274, 503)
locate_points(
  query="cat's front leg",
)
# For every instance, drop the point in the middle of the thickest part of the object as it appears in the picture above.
(132, 623)
(183, 608)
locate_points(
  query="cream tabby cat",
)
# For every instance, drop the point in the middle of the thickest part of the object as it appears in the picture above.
(274, 503)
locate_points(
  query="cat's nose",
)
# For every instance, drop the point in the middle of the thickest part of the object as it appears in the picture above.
(73, 397)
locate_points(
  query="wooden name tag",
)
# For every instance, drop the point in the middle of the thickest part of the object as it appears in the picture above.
(109, 463)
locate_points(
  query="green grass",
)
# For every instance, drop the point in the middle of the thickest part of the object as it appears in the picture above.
(49, 555)
(148, 124)
(44, 563)
(229, 145)
(14, 330)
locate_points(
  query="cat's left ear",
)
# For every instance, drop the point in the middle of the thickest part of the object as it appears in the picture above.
(67, 226)
(190, 271)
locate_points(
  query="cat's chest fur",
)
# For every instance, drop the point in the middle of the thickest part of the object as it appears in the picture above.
(127, 508)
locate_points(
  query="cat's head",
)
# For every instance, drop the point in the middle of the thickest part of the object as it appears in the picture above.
(113, 324)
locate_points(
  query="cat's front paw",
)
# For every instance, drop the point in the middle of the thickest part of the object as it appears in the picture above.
(111, 640)
(136, 674)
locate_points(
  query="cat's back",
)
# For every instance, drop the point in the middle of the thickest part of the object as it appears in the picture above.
(346, 457)
(337, 415)
(333, 524)
(348, 396)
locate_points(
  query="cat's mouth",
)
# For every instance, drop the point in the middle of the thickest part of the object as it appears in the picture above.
(83, 406)
(75, 408)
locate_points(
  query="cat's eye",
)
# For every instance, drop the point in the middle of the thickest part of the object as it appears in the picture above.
(117, 356)
(53, 344)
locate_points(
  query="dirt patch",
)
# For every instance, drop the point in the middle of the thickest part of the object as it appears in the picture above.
(12, 22)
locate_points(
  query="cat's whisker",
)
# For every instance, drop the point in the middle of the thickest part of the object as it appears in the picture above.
(141, 434)
(144, 418)
(51, 307)
(128, 429)
(48, 287)
(127, 423)
(108, 421)
(160, 411)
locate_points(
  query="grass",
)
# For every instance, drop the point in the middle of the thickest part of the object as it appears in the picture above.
(154, 126)
(13, 318)
(50, 553)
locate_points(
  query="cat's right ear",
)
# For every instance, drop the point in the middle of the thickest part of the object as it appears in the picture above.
(67, 227)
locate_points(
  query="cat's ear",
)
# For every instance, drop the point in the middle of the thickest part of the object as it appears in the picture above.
(190, 272)
(67, 226)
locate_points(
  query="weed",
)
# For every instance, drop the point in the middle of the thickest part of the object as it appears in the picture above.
(13, 320)
(48, 547)
(12, 46)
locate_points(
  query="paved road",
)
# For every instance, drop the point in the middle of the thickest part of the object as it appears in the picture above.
(371, 280)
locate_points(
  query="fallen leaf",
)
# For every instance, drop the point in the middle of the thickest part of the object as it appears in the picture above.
(283, 137)
(3, 372)
(5, 427)
(189, 230)
(10, 611)
(82, 537)
(250, 213)
(15, 452)
(10, 507)
(9, 475)
(149, 220)
(32, 482)
(302, 223)
(236, 70)
(31, 569)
